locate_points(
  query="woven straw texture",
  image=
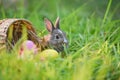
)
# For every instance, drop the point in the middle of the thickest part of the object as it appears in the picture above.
(15, 27)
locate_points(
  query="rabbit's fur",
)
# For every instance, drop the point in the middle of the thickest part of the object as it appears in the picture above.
(56, 37)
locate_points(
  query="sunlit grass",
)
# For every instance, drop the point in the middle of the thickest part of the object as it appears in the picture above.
(93, 53)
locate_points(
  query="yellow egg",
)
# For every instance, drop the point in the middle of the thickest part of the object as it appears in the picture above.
(47, 54)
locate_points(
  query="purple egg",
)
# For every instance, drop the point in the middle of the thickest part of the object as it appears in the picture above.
(29, 44)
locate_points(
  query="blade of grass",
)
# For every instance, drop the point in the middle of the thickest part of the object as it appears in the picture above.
(107, 11)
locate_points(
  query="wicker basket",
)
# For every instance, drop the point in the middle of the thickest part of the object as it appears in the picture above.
(17, 26)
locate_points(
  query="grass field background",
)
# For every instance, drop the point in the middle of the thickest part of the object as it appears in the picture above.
(92, 28)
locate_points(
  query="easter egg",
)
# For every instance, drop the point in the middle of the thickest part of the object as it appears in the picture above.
(48, 54)
(27, 49)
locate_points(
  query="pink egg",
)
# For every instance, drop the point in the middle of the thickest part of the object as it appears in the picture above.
(28, 46)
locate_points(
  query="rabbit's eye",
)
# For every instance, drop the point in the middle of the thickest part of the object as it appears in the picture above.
(56, 36)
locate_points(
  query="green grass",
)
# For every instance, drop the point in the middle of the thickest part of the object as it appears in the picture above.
(94, 44)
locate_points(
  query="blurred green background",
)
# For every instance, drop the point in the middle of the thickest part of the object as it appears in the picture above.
(36, 10)
(54, 8)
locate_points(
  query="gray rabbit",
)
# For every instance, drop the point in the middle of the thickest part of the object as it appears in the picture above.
(56, 37)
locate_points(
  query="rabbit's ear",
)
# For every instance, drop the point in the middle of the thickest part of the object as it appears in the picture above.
(49, 25)
(57, 25)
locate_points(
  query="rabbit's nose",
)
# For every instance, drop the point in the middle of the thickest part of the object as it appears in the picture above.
(65, 41)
